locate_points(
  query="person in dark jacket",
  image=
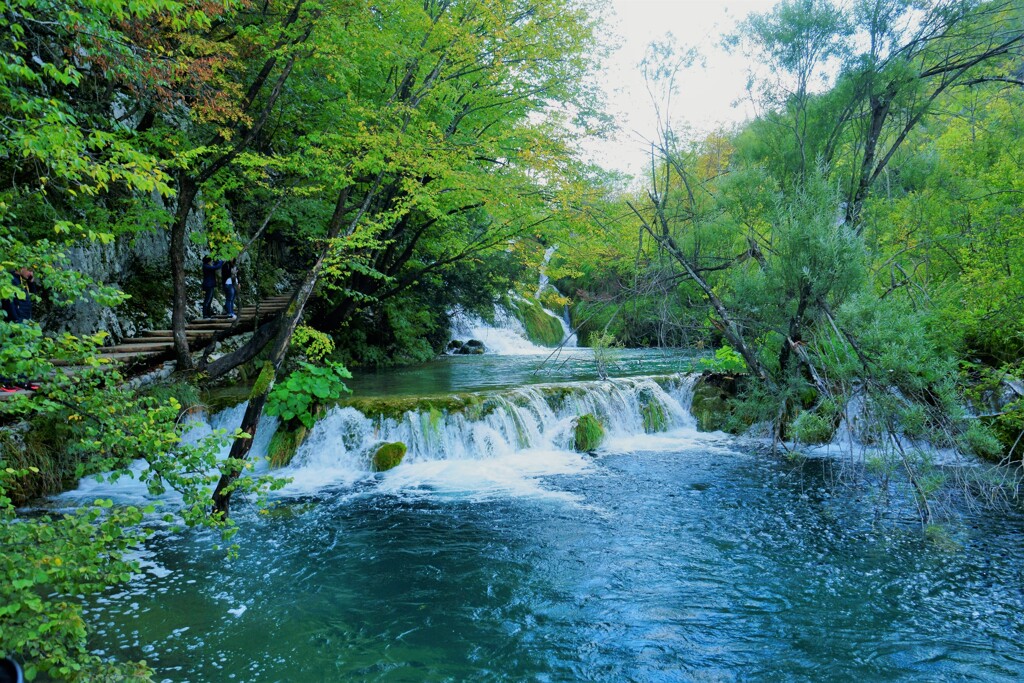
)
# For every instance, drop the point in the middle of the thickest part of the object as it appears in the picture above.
(210, 268)
(19, 311)
(229, 275)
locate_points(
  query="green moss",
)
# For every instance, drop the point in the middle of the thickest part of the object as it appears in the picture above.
(541, 328)
(264, 380)
(39, 449)
(654, 416)
(473, 406)
(285, 443)
(588, 433)
(710, 406)
(387, 456)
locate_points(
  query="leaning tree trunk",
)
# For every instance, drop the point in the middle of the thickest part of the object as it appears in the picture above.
(258, 398)
(187, 190)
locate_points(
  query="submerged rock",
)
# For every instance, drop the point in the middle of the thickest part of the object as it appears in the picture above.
(588, 433)
(388, 456)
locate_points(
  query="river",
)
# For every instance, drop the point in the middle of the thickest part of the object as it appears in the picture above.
(496, 553)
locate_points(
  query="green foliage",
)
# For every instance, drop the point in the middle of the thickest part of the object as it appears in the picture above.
(811, 428)
(306, 387)
(388, 456)
(588, 433)
(983, 442)
(315, 345)
(605, 348)
(726, 361)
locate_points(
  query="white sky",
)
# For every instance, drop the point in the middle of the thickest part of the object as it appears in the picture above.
(706, 94)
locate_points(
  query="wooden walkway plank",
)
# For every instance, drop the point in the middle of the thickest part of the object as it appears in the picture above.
(157, 344)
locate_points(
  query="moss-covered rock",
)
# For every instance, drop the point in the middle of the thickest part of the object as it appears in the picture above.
(388, 456)
(653, 412)
(284, 444)
(587, 434)
(542, 328)
(473, 406)
(711, 405)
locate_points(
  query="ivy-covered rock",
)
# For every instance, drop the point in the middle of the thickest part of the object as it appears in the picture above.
(388, 456)
(588, 433)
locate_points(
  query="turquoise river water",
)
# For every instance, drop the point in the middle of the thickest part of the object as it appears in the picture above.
(495, 553)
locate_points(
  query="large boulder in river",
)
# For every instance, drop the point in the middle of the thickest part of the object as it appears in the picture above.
(472, 347)
(388, 456)
(712, 402)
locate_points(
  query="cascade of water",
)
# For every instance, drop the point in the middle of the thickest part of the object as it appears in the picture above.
(500, 441)
(506, 336)
(539, 417)
(542, 280)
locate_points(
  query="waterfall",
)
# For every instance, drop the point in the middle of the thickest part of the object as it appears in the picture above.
(526, 428)
(542, 279)
(506, 336)
(488, 443)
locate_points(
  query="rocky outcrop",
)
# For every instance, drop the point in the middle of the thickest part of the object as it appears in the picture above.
(470, 348)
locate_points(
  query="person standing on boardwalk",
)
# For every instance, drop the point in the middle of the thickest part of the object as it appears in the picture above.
(19, 311)
(229, 275)
(210, 268)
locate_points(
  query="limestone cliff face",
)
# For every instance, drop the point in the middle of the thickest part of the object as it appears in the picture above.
(122, 263)
(136, 264)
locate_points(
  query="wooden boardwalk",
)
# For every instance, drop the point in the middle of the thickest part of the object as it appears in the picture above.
(153, 346)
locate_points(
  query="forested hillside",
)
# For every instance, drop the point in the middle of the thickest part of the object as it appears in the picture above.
(860, 244)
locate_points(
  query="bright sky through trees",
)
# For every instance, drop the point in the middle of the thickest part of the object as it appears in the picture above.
(708, 94)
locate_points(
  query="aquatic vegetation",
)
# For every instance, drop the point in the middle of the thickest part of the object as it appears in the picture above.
(653, 413)
(284, 444)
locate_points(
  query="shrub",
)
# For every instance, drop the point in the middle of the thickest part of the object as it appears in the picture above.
(811, 428)
(308, 386)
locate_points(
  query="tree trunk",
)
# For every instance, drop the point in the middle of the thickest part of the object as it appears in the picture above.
(289, 321)
(187, 190)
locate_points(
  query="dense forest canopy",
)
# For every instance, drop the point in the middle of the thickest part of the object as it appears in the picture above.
(862, 239)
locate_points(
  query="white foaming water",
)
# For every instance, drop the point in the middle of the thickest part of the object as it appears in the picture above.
(499, 446)
(131, 489)
(503, 444)
(507, 336)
